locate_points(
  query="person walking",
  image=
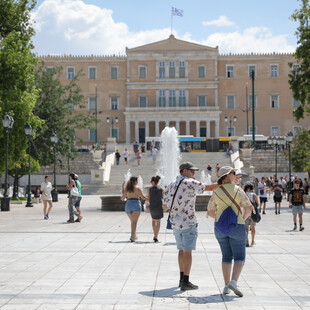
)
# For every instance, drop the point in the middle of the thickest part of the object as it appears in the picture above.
(217, 169)
(126, 155)
(262, 192)
(154, 154)
(46, 189)
(249, 223)
(117, 157)
(78, 202)
(183, 219)
(138, 157)
(133, 193)
(73, 197)
(156, 209)
(297, 202)
(277, 190)
(230, 198)
(209, 170)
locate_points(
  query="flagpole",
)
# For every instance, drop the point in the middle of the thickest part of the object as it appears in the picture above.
(171, 20)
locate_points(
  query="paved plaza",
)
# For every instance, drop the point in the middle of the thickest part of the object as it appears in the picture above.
(49, 264)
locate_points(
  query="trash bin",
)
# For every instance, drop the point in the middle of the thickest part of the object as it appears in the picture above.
(54, 196)
(5, 204)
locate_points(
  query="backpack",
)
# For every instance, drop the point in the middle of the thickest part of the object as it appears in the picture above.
(255, 216)
(228, 222)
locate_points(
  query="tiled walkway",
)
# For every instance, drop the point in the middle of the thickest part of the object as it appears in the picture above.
(92, 265)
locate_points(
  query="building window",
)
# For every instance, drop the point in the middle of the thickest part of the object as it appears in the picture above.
(274, 70)
(162, 98)
(71, 106)
(142, 101)
(296, 103)
(230, 102)
(162, 72)
(182, 98)
(252, 68)
(251, 130)
(49, 69)
(202, 102)
(70, 73)
(230, 131)
(201, 72)
(229, 71)
(142, 72)
(275, 131)
(114, 73)
(92, 103)
(182, 69)
(172, 99)
(274, 101)
(251, 103)
(295, 130)
(171, 70)
(114, 103)
(92, 134)
(114, 133)
(92, 73)
(295, 69)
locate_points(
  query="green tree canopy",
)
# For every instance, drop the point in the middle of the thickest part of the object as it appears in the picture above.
(57, 105)
(299, 77)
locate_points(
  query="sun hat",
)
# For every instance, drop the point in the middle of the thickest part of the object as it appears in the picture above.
(189, 166)
(224, 171)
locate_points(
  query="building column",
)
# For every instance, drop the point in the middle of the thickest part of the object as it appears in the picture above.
(208, 130)
(137, 131)
(217, 129)
(187, 128)
(156, 128)
(198, 129)
(128, 132)
(147, 128)
(167, 123)
(177, 126)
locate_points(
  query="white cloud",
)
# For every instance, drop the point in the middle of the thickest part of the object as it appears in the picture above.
(222, 21)
(253, 39)
(74, 27)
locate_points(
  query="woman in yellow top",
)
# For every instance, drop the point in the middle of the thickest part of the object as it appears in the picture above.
(233, 245)
(133, 193)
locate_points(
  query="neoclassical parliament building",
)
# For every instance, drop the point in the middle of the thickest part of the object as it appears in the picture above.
(182, 84)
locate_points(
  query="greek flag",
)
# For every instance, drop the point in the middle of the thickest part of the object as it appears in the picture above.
(177, 12)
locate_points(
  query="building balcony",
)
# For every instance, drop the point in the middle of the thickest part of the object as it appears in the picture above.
(172, 109)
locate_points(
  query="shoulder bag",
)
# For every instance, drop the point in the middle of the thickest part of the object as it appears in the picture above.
(74, 191)
(168, 226)
(255, 216)
(228, 221)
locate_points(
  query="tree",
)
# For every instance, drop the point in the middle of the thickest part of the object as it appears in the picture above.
(299, 77)
(17, 63)
(56, 105)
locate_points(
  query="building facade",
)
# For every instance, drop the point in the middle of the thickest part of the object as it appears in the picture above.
(186, 85)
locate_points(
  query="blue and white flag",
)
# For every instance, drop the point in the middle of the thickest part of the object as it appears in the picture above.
(177, 12)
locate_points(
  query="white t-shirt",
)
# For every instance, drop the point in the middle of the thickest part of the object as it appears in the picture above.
(126, 153)
(261, 190)
(46, 188)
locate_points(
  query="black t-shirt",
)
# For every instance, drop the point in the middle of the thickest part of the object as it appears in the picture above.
(277, 192)
(297, 196)
(117, 155)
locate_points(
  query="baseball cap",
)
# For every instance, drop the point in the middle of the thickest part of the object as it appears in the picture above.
(189, 166)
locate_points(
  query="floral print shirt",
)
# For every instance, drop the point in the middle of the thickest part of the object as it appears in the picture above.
(182, 215)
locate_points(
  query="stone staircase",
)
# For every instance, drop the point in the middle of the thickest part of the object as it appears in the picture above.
(148, 168)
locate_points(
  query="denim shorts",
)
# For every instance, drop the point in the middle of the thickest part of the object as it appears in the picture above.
(232, 246)
(77, 204)
(186, 238)
(132, 205)
(297, 209)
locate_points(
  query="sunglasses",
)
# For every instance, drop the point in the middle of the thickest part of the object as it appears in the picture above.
(234, 173)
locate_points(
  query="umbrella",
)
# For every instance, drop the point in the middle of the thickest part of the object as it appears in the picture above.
(244, 178)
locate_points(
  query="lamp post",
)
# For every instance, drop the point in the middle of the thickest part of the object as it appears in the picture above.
(96, 111)
(29, 133)
(253, 107)
(54, 140)
(276, 141)
(246, 109)
(7, 121)
(231, 119)
(289, 139)
(112, 122)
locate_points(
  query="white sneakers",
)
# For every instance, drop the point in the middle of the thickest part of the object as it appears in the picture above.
(226, 290)
(233, 286)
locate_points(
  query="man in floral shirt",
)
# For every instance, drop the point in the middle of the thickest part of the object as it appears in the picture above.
(183, 217)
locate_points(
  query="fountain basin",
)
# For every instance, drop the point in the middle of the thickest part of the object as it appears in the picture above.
(114, 203)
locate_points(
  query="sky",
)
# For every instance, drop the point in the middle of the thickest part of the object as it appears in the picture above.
(107, 27)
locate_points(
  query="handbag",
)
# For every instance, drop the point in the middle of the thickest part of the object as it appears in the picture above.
(74, 191)
(255, 216)
(228, 222)
(168, 226)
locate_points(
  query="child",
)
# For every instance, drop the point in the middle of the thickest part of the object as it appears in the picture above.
(297, 201)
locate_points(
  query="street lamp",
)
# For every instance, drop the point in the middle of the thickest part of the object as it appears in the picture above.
(7, 121)
(276, 141)
(96, 111)
(112, 123)
(231, 119)
(29, 133)
(289, 139)
(246, 108)
(253, 107)
(54, 140)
